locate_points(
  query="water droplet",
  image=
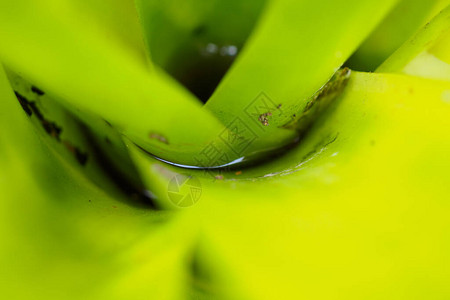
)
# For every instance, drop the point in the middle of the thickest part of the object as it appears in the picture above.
(230, 50)
(211, 49)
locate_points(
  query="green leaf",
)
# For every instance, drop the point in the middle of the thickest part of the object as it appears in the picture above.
(63, 237)
(60, 48)
(359, 207)
(426, 53)
(403, 21)
(357, 210)
(294, 51)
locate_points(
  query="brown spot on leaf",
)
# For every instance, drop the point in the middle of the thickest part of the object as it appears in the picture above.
(158, 137)
(263, 118)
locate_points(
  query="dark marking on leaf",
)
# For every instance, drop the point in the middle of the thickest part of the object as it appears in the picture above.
(107, 123)
(320, 101)
(331, 141)
(79, 155)
(36, 110)
(37, 91)
(323, 144)
(133, 188)
(24, 103)
(30, 107)
(334, 86)
(52, 129)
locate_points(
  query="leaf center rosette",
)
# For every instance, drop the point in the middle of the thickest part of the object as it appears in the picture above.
(275, 69)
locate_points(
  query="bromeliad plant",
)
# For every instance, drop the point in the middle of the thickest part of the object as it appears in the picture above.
(306, 180)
